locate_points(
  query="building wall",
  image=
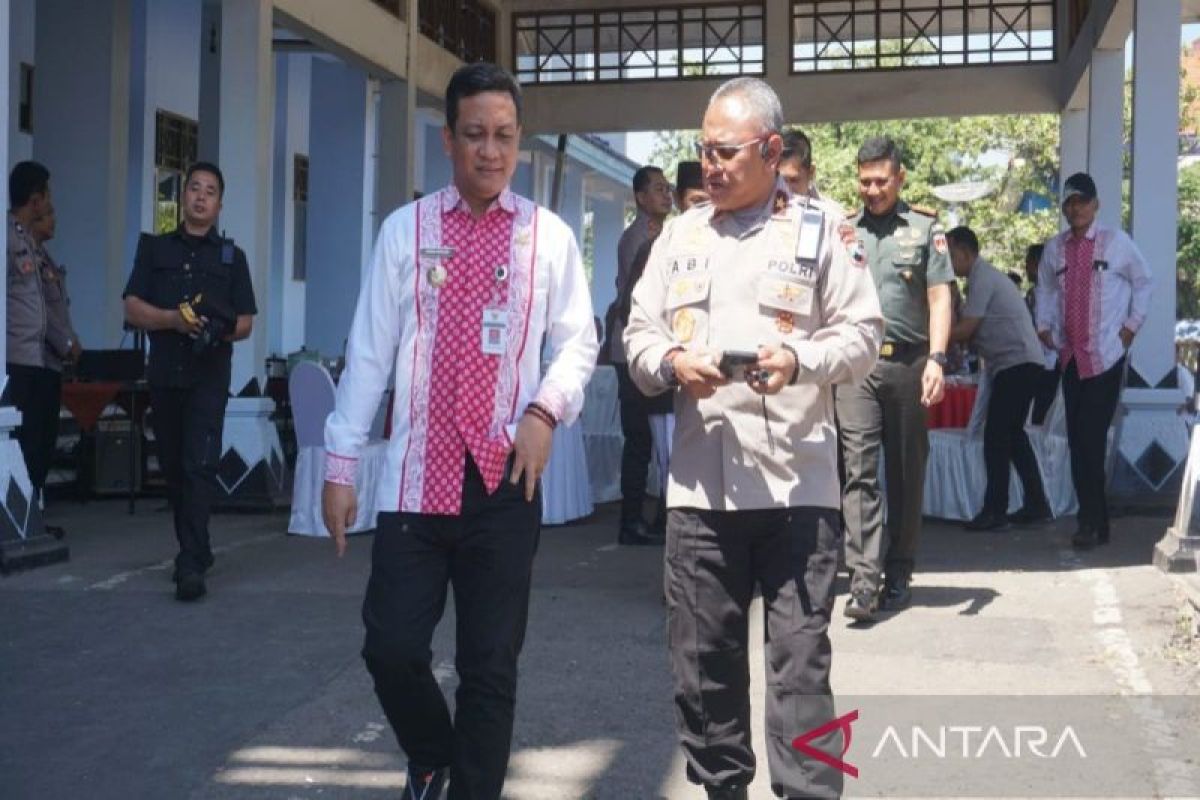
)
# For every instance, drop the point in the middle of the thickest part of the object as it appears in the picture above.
(20, 50)
(337, 134)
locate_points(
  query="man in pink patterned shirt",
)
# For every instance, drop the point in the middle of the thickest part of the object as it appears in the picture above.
(469, 290)
(1093, 292)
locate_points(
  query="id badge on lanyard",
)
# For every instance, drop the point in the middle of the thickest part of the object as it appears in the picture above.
(494, 332)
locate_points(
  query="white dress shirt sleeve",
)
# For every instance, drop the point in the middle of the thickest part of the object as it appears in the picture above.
(571, 345)
(1133, 267)
(1048, 303)
(370, 355)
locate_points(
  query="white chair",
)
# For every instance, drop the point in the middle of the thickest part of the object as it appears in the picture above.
(312, 397)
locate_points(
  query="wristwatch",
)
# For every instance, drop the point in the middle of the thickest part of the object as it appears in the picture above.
(940, 359)
(666, 370)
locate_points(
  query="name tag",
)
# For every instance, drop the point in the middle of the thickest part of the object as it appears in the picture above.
(684, 264)
(443, 253)
(494, 332)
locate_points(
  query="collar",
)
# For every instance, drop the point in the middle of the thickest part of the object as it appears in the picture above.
(453, 201)
(1091, 232)
(896, 216)
(764, 211)
(211, 236)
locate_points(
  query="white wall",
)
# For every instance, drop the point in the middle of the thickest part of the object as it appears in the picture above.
(20, 50)
(293, 86)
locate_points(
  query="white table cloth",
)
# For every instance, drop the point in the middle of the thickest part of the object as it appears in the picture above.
(566, 489)
(309, 477)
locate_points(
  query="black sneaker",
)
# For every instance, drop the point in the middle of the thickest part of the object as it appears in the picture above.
(896, 593)
(637, 533)
(423, 783)
(987, 521)
(729, 793)
(189, 587)
(1031, 515)
(862, 605)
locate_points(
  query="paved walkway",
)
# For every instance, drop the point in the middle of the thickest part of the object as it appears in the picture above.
(111, 689)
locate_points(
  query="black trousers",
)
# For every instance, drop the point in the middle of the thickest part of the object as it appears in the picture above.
(187, 430)
(1043, 395)
(1005, 441)
(37, 394)
(485, 554)
(638, 447)
(1090, 404)
(715, 560)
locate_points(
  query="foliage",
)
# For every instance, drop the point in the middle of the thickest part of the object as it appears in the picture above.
(1187, 301)
(940, 151)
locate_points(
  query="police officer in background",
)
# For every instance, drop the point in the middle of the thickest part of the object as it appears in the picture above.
(748, 311)
(884, 416)
(34, 388)
(191, 290)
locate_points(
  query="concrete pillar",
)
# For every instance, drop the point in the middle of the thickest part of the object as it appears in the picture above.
(5, 110)
(335, 203)
(1072, 143)
(1106, 146)
(395, 183)
(208, 145)
(608, 221)
(81, 97)
(247, 94)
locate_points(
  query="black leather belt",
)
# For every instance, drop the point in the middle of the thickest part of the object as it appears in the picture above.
(898, 351)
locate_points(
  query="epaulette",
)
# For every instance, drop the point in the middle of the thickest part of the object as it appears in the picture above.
(924, 210)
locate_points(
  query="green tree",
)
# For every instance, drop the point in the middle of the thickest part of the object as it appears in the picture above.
(1187, 300)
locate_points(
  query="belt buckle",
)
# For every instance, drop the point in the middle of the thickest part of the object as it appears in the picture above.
(887, 350)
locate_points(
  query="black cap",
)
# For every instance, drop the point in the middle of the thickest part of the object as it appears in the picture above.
(1080, 184)
(688, 175)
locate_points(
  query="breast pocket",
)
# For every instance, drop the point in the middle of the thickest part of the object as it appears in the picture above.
(786, 305)
(687, 307)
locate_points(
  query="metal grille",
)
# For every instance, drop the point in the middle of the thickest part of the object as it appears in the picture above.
(696, 41)
(837, 35)
(466, 28)
(174, 141)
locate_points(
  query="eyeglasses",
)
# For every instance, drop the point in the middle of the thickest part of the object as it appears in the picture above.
(724, 152)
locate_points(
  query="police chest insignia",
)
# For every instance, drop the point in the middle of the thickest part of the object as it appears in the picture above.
(939, 243)
(785, 322)
(687, 289)
(683, 325)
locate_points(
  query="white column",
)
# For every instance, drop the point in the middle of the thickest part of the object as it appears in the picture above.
(1072, 143)
(5, 17)
(1154, 196)
(396, 129)
(1106, 147)
(81, 101)
(247, 91)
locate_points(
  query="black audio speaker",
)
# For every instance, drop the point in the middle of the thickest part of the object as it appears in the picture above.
(112, 459)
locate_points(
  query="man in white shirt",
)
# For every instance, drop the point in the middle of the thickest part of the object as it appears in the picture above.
(1093, 294)
(468, 289)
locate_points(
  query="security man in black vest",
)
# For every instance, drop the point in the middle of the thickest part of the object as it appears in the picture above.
(190, 289)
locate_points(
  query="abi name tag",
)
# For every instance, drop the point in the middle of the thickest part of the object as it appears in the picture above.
(494, 332)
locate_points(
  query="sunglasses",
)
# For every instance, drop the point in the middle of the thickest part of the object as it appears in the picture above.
(724, 152)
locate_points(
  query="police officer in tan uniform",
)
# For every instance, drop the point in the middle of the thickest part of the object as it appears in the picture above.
(748, 311)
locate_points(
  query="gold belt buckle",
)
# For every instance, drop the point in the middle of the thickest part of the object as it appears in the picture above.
(887, 350)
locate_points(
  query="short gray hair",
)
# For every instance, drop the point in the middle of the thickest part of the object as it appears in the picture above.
(759, 97)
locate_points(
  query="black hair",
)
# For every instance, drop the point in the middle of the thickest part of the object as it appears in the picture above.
(880, 148)
(205, 166)
(796, 145)
(962, 236)
(26, 179)
(478, 78)
(641, 178)
(688, 175)
(1034, 253)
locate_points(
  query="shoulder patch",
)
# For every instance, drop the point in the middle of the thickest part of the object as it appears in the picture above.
(924, 211)
(939, 241)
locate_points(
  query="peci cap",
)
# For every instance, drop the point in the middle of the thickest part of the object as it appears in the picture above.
(688, 175)
(1080, 184)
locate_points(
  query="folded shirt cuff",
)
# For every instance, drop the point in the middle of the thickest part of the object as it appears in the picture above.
(340, 469)
(552, 400)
